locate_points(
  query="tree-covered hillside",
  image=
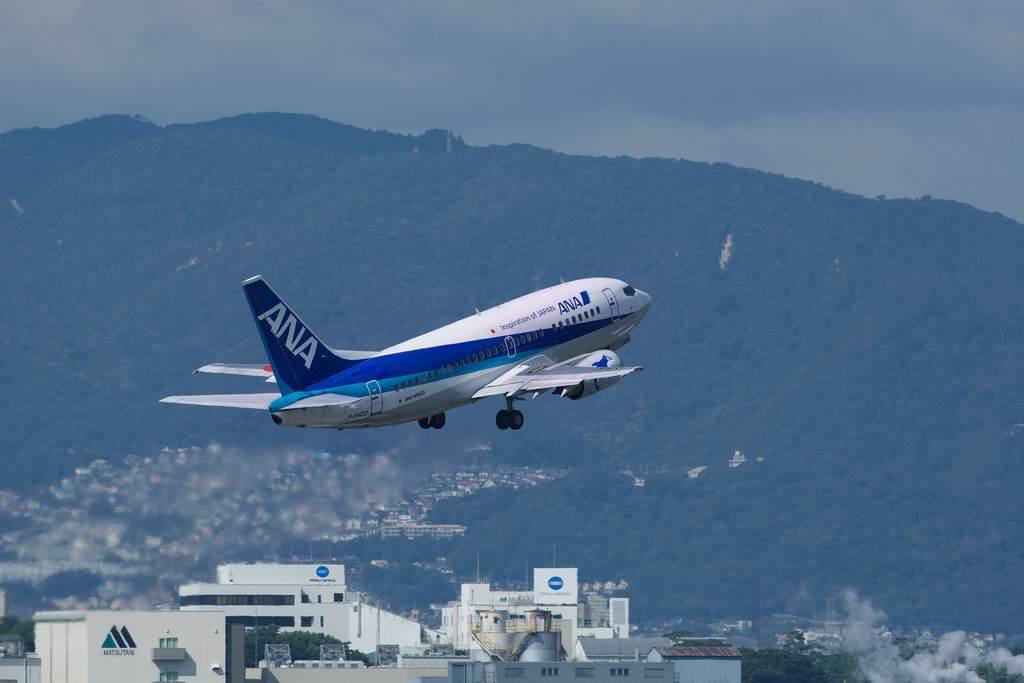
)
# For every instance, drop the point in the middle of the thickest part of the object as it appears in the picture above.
(868, 350)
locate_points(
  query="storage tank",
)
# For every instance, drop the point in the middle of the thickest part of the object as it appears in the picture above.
(542, 647)
(493, 631)
(538, 621)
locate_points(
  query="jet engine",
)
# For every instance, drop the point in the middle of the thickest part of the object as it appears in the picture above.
(598, 359)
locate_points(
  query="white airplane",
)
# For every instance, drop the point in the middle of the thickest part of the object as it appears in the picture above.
(562, 338)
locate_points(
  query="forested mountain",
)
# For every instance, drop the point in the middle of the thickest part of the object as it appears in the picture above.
(865, 355)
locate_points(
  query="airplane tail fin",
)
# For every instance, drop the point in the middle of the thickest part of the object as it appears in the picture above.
(297, 356)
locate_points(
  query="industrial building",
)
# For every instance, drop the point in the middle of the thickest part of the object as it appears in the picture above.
(615, 649)
(78, 647)
(302, 597)
(17, 665)
(700, 664)
(594, 672)
(501, 625)
(533, 635)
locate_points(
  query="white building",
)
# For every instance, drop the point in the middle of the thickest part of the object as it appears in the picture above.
(490, 623)
(301, 597)
(701, 664)
(77, 647)
(616, 649)
(542, 672)
(16, 665)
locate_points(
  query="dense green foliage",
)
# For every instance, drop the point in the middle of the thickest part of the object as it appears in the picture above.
(407, 587)
(302, 644)
(25, 628)
(870, 351)
(786, 665)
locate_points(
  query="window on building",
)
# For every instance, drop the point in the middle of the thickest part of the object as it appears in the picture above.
(619, 672)
(515, 672)
(168, 642)
(321, 622)
(339, 597)
(549, 671)
(306, 622)
(188, 600)
(168, 675)
(586, 672)
(305, 598)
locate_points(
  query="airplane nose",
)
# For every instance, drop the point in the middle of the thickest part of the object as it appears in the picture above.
(644, 298)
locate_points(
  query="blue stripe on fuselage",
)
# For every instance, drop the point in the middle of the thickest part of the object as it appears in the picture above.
(393, 369)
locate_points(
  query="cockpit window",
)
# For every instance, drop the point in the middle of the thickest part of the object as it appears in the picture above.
(628, 291)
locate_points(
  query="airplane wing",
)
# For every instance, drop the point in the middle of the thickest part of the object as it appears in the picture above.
(261, 401)
(539, 374)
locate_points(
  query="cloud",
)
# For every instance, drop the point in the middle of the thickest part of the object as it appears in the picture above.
(897, 98)
(969, 154)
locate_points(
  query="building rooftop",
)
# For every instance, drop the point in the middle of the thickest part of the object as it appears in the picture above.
(678, 652)
(621, 647)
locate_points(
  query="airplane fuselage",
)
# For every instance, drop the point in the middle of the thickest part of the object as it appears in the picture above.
(445, 368)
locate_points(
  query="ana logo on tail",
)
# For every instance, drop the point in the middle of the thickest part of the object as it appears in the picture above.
(282, 321)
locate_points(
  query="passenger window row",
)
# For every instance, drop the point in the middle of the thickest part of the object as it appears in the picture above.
(488, 352)
(585, 315)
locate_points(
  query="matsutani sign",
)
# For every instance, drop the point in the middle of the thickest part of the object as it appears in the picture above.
(118, 642)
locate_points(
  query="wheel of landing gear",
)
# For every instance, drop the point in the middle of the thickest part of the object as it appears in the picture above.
(437, 421)
(424, 422)
(502, 419)
(516, 419)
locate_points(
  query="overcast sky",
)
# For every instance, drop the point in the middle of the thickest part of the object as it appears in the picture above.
(896, 97)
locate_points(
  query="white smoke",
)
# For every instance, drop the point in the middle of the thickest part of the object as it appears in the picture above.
(954, 660)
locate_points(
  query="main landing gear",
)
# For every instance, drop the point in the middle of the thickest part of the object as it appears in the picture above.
(435, 421)
(509, 418)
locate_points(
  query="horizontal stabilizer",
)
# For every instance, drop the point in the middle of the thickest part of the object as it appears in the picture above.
(249, 370)
(321, 400)
(261, 401)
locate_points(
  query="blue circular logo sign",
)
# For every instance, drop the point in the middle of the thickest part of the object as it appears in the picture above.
(322, 571)
(555, 583)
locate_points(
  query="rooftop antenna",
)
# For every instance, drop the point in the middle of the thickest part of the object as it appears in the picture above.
(478, 566)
